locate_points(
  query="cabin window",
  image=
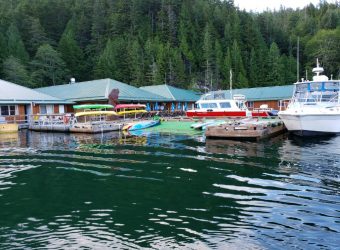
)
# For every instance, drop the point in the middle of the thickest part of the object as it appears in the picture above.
(250, 104)
(225, 105)
(208, 105)
(8, 110)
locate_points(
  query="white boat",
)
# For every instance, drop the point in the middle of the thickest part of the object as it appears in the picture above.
(315, 106)
(216, 104)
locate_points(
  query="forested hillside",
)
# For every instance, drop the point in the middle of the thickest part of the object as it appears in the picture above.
(185, 43)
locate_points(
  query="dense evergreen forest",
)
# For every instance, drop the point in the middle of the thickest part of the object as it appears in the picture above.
(184, 43)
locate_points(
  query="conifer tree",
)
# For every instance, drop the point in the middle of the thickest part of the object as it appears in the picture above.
(15, 44)
(71, 53)
(208, 56)
(48, 67)
(14, 71)
(274, 68)
(238, 67)
(136, 55)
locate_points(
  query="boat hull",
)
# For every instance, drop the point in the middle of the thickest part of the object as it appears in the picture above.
(312, 124)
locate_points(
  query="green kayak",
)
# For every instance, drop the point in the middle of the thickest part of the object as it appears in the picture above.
(93, 106)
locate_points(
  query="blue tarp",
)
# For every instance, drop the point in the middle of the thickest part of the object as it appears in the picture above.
(148, 107)
(179, 106)
(172, 107)
(185, 106)
(156, 106)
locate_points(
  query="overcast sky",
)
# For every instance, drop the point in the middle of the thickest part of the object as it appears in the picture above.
(261, 5)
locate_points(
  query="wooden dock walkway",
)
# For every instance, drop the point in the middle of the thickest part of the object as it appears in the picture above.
(251, 130)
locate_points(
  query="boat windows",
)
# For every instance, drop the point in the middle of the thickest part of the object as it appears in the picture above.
(8, 110)
(225, 105)
(332, 86)
(208, 105)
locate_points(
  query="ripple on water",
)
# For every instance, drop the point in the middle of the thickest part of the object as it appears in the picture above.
(70, 192)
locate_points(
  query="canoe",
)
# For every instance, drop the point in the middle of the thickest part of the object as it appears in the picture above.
(126, 112)
(144, 124)
(93, 106)
(99, 112)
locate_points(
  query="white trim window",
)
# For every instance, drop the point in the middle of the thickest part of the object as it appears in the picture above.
(250, 104)
(46, 109)
(281, 104)
(7, 110)
(61, 109)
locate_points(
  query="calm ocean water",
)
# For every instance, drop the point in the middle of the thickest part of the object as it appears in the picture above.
(166, 191)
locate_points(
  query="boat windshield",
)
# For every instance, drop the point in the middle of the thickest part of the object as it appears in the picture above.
(312, 92)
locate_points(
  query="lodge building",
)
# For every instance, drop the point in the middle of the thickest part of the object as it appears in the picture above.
(18, 103)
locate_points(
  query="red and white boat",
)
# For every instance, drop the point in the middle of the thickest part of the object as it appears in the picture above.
(213, 105)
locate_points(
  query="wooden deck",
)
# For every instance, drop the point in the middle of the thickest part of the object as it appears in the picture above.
(253, 130)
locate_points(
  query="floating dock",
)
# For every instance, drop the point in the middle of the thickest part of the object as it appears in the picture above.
(8, 128)
(96, 127)
(256, 130)
(50, 127)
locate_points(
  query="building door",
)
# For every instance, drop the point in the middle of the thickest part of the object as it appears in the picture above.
(28, 112)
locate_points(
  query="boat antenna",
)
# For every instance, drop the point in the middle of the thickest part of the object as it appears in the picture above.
(297, 59)
(231, 84)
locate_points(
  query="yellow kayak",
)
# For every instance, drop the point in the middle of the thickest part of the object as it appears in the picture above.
(126, 112)
(128, 125)
(97, 112)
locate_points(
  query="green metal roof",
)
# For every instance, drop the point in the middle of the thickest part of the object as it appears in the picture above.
(173, 93)
(99, 90)
(12, 93)
(264, 93)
